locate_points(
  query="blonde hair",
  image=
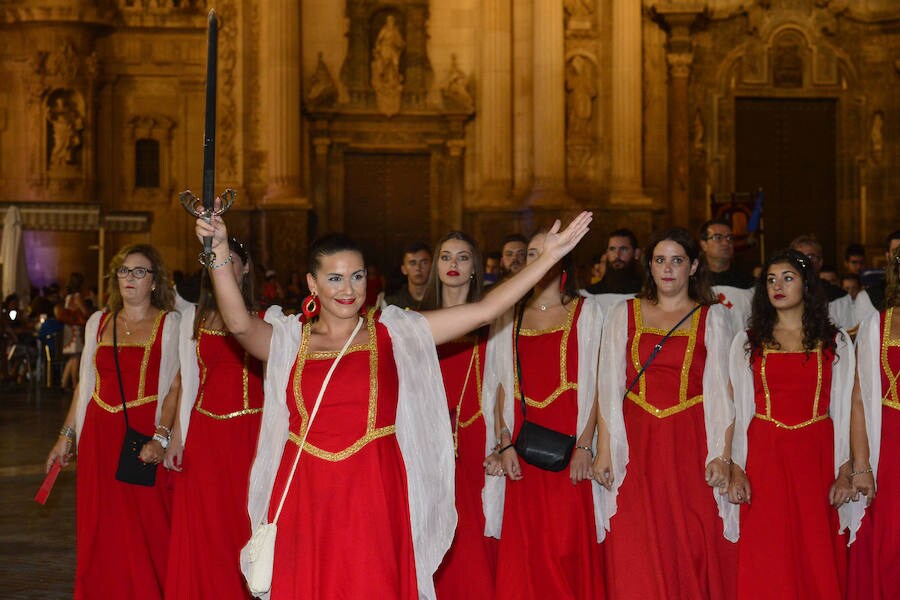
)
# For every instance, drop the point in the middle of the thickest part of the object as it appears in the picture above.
(162, 296)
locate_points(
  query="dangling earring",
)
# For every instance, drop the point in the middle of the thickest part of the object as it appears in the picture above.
(562, 282)
(310, 307)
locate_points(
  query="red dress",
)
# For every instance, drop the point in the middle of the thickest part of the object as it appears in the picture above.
(548, 547)
(122, 530)
(209, 518)
(666, 539)
(344, 531)
(789, 546)
(469, 567)
(875, 556)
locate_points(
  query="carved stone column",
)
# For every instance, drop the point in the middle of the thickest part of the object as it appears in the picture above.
(627, 103)
(549, 187)
(523, 101)
(495, 104)
(281, 101)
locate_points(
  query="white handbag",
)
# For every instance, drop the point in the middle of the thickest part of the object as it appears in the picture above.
(261, 547)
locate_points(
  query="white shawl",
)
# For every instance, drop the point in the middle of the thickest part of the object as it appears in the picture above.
(738, 301)
(168, 365)
(839, 411)
(423, 434)
(868, 365)
(842, 312)
(718, 411)
(499, 369)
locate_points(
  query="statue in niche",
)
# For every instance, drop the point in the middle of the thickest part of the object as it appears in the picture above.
(455, 91)
(66, 124)
(699, 132)
(322, 89)
(876, 135)
(386, 78)
(580, 93)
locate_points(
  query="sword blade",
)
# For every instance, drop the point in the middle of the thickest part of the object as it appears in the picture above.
(209, 136)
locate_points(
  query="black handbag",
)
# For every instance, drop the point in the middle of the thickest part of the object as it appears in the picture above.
(131, 468)
(537, 445)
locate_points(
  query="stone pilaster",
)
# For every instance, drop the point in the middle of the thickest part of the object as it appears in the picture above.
(523, 104)
(495, 104)
(679, 136)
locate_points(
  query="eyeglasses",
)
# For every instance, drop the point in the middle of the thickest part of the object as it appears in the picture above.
(719, 237)
(137, 272)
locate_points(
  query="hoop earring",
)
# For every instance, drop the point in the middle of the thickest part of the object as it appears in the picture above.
(310, 307)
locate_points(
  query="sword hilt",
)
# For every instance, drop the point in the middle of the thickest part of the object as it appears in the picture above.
(195, 206)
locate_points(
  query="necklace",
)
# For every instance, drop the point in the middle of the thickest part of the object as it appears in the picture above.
(125, 323)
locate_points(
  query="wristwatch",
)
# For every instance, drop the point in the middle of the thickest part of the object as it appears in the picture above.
(163, 440)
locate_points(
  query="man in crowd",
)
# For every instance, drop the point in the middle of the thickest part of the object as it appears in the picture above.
(415, 266)
(717, 244)
(871, 300)
(491, 267)
(623, 271)
(512, 254)
(840, 304)
(854, 259)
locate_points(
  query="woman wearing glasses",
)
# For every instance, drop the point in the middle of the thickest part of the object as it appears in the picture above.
(122, 529)
(221, 403)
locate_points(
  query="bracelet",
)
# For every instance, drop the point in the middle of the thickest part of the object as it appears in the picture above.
(863, 472)
(586, 449)
(163, 441)
(166, 429)
(67, 431)
(506, 431)
(727, 461)
(504, 449)
(223, 263)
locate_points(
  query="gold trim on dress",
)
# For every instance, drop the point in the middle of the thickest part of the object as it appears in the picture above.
(816, 417)
(564, 384)
(145, 360)
(892, 399)
(245, 383)
(372, 432)
(640, 398)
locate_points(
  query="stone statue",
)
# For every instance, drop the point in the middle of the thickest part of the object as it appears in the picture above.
(699, 132)
(876, 135)
(581, 91)
(322, 89)
(386, 78)
(66, 124)
(455, 91)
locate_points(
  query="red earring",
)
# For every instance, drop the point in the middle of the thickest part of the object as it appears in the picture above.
(562, 282)
(310, 307)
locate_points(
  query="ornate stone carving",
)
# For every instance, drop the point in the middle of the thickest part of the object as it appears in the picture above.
(579, 14)
(322, 89)
(876, 135)
(581, 90)
(787, 66)
(680, 63)
(455, 90)
(65, 123)
(227, 116)
(699, 132)
(387, 80)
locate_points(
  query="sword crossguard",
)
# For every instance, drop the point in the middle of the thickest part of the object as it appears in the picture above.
(194, 205)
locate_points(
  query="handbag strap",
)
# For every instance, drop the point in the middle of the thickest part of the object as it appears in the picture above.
(115, 319)
(312, 417)
(519, 318)
(657, 348)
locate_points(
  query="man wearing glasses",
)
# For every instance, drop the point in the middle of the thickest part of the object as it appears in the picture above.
(840, 304)
(717, 243)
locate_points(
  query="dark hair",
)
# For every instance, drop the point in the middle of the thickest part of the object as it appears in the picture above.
(414, 248)
(803, 240)
(434, 297)
(162, 296)
(892, 279)
(76, 282)
(328, 244)
(854, 250)
(704, 229)
(894, 235)
(206, 303)
(817, 326)
(827, 269)
(699, 289)
(851, 276)
(493, 255)
(514, 237)
(627, 233)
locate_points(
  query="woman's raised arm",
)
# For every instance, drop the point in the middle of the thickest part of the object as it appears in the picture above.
(450, 323)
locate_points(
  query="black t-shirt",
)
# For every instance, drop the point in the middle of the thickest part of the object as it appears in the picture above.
(732, 278)
(619, 281)
(403, 299)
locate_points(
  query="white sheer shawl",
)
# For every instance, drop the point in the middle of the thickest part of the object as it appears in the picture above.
(718, 410)
(168, 365)
(423, 433)
(738, 301)
(842, 374)
(868, 365)
(499, 369)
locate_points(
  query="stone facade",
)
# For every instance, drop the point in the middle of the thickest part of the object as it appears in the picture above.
(523, 109)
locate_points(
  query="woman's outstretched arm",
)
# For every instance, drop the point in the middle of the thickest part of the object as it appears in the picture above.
(449, 323)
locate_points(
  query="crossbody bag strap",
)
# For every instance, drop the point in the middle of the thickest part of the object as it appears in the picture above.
(657, 348)
(312, 417)
(519, 319)
(115, 319)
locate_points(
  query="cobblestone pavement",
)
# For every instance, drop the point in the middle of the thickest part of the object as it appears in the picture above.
(37, 543)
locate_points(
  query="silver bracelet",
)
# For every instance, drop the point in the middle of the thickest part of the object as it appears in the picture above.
(221, 264)
(586, 449)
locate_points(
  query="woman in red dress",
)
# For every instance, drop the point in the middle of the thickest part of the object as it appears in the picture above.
(369, 511)
(122, 529)
(545, 520)
(470, 564)
(792, 372)
(875, 556)
(671, 431)
(221, 401)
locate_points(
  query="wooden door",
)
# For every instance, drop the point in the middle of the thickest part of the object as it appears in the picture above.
(387, 204)
(788, 148)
